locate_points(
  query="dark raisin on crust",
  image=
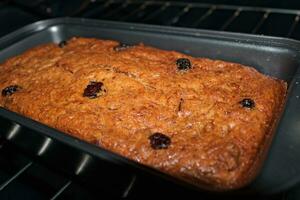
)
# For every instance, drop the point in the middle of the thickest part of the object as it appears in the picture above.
(180, 104)
(96, 142)
(62, 44)
(10, 90)
(94, 90)
(183, 64)
(122, 46)
(247, 103)
(159, 141)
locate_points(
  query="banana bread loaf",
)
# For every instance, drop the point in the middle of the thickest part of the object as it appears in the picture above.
(204, 121)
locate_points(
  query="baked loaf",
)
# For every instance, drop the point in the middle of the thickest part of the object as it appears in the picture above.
(205, 121)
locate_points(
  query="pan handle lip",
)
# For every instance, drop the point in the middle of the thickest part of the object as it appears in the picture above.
(297, 75)
(250, 39)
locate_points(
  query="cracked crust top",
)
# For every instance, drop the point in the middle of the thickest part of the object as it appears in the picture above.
(142, 96)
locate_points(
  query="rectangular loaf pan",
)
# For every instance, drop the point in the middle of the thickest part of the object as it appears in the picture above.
(277, 57)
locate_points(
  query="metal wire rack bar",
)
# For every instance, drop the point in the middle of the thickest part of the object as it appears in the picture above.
(15, 176)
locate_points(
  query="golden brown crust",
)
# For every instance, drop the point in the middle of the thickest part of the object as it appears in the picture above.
(215, 142)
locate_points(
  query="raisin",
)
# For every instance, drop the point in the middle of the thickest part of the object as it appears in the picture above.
(96, 142)
(180, 104)
(10, 90)
(94, 90)
(62, 44)
(122, 46)
(159, 141)
(183, 64)
(247, 103)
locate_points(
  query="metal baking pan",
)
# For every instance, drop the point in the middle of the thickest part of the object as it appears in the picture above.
(277, 57)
